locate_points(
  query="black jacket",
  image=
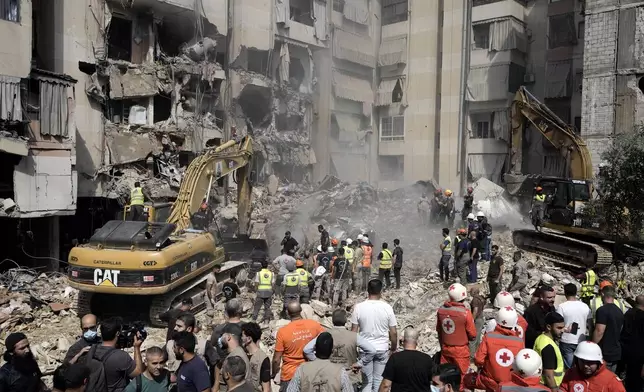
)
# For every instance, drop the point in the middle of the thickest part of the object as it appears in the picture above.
(12, 380)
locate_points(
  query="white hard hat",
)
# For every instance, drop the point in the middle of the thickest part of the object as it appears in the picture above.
(320, 248)
(470, 216)
(589, 351)
(360, 236)
(330, 249)
(349, 241)
(503, 299)
(457, 292)
(507, 317)
(480, 214)
(528, 363)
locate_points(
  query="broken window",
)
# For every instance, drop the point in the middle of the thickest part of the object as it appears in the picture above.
(162, 107)
(257, 60)
(481, 126)
(119, 39)
(392, 128)
(481, 35)
(397, 94)
(301, 11)
(561, 30)
(119, 111)
(10, 10)
(516, 74)
(296, 73)
(391, 167)
(394, 11)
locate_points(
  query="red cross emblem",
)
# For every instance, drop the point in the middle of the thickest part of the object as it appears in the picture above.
(579, 387)
(448, 326)
(509, 308)
(451, 287)
(519, 330)
(526, 356)
(504, 357)
(505, 293)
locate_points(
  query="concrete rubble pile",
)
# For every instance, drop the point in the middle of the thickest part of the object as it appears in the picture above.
(489, 198)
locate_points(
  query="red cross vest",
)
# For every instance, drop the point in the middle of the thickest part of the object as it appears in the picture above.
(522, 326)
(451, 324)
(502, 346)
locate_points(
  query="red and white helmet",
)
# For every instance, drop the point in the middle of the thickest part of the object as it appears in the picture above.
(503, 299)
(528, 363)
(507, 317)
(457, 292)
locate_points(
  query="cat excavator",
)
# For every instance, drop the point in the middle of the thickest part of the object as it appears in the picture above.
(568, 235)
(130, 268)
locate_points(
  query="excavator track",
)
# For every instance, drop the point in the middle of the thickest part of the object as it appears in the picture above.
(563, 250)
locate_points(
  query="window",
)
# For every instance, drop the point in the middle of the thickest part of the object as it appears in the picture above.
(581, 30)
(392, 128)
(561, 30)
(481, 34)
(391, 167)
(119, 39)
(516, 77)
(481, 126)
(10, 10)
(338, 5)
(578, 125)
(394, 11)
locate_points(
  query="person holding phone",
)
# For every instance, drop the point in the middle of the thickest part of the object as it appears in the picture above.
(575, 314)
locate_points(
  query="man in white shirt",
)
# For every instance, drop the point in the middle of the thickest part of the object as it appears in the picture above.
(375, 321)
(575, 314)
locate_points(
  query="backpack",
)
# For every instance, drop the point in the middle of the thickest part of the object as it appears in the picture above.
(97, 380)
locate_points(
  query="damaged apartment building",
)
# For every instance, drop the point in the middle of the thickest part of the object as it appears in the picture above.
(537, 44)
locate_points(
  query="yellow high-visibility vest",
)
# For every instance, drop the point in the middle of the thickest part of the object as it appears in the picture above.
(542, 342)
(292, 279)
(385, 263)
(588, 288)
(136, 197)
(265, 280)
(448, 247)
(348, 254)
(304, 277)
(540, 198)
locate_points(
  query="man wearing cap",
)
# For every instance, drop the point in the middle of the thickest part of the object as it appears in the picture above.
(321, 374)
(20, 373)
(547, 345)
(229, 342)
(589, 374)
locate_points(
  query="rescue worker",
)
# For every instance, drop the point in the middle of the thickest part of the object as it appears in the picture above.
(589, 373)
(472, 224)
(526, 374)
(341, 275)
(598, 301)
(257, 257)
(201, 219)
(468, 203)
(348, 255)
(324, 237)
(265, 286)
(446, 255)
(502, 300)
(519, 275)
(496, 353)
(137, 202)
(322, 286)
(357, 263)
(398, 261)
(462, 257)
(365, 268)
(455, 327)
(588, 281)
(305, 281)
(435, 206)
(538, 207)
(386, 262)
(547, 346)
(484, 235)
(448, 208)
(291, 284)
(424, 207)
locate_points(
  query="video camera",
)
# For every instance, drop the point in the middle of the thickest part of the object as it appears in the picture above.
(128, 332)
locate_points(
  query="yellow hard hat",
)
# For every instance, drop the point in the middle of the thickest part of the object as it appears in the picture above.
(448, 192)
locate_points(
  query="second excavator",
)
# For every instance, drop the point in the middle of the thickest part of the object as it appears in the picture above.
(569, 234)
(132, 268)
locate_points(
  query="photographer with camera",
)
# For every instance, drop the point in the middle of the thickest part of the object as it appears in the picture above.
(111, 367)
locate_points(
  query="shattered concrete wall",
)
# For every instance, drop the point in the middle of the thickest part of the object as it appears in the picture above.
(612, 98)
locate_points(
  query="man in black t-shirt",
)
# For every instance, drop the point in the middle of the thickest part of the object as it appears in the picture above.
(341, 275)
(475, 255)
(408, 370)
(230, 289)
(289, 244)
(609, 320)
(495, 272)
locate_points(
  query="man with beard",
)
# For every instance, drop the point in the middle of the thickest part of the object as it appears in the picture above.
(230, 343)
(536, 313)
(193, 375)
(260, 365)
(90, 336)
(21, 372)
(155, 378)
(547, 346)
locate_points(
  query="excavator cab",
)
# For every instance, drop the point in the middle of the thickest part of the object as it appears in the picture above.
(154, 212)
(565, 200)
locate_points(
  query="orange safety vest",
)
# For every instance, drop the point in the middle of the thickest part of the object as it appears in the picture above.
(502, 346)
(451, 325)
(366, 259)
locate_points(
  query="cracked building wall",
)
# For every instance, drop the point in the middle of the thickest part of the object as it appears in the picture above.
(612, 98)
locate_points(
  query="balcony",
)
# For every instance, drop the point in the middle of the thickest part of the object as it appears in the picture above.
(489, 9)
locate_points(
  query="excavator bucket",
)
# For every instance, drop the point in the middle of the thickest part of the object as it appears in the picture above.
(238, 247)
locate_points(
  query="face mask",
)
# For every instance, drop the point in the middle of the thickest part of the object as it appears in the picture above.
(89, 335)
(435, 388)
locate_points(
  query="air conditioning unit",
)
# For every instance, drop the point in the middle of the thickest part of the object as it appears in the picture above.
(528, 78)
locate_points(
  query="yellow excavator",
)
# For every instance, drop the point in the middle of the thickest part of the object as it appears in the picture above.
(572, 236)
(132, 268)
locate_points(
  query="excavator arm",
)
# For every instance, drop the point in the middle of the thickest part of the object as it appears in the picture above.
(208, 168)
(526, 109)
